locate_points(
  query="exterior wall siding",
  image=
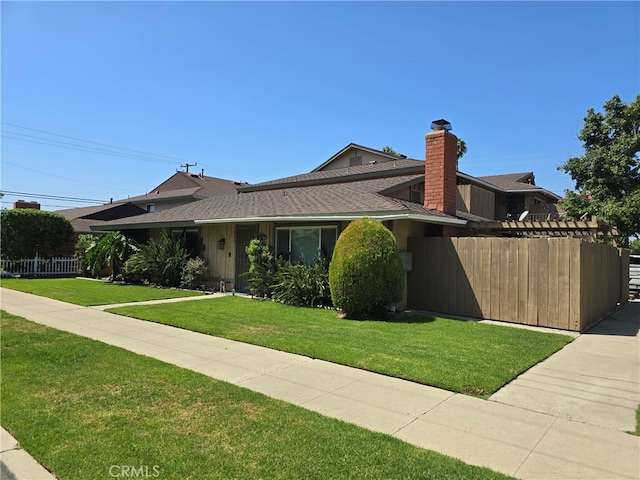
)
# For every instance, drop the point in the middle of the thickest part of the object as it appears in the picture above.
(476, 201)
(343, 160)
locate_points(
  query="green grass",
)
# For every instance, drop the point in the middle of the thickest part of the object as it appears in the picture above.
(90, 292)
(81, 408)
(638, 421)
(461, 356)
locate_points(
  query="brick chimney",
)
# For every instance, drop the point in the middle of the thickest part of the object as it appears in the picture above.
(441, 165)
(23, 204)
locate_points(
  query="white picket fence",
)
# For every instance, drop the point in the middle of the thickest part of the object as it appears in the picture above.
(40, 267)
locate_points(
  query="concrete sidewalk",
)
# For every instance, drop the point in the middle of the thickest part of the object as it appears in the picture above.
(530, 440)
(593, 380)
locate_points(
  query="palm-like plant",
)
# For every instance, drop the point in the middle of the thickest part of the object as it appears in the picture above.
(159, 262)
(462, 148)
(112, 249)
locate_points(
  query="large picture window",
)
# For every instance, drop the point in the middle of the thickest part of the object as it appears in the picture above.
(305, 244)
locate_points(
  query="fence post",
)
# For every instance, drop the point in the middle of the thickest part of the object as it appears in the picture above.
(36, 266)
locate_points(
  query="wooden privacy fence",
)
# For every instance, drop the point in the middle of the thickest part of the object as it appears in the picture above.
(561, 283)
(40, 267)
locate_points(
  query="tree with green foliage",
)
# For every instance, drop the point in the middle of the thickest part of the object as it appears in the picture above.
(607, 175)
(388, 149)
(366, 274)
(110, 250)
(462, 148)
(159, 262)
(261, 275)
(27, 232)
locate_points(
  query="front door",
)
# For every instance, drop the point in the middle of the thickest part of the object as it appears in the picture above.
(244, 235)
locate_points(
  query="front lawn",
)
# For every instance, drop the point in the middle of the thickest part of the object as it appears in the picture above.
(88, 292)
(461, 356)
(87, 410)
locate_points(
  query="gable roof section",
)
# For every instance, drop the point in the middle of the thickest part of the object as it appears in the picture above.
(355, 146)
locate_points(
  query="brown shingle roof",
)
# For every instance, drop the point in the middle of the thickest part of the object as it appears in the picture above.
(349, 198)
(511, 181)
(348, 174)
(187, 185)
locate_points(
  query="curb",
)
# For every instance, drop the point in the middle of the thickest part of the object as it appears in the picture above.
(17, 464)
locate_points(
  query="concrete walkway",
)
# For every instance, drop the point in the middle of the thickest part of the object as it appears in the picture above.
(529, 430)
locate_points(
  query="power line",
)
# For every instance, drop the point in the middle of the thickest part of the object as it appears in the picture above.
(80, 148)
(51, 197)
(58, 176)
(90, 141)
(137, 154)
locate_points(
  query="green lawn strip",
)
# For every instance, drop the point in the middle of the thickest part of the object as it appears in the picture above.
(461, 356)
(85, 409)
(638, 421)
(87, 292)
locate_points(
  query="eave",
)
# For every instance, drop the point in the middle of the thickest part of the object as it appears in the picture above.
(142, 226)
(380, 216)
(396, 172)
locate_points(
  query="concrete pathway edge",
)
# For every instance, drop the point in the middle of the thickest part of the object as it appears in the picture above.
(16, 463)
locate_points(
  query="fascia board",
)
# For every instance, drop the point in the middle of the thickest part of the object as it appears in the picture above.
(137, 226)
(481, 182)
(535, 190)
(347, 217)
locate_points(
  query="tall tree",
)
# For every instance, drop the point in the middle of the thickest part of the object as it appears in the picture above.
(607, 175)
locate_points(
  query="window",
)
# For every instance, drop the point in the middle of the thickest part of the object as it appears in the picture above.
(151, 208)
(191, 241)
(355, 161)
(304, 244)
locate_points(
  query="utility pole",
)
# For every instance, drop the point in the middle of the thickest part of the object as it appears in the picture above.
(187, 165)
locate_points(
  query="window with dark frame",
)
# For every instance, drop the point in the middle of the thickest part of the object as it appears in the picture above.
(191, 241)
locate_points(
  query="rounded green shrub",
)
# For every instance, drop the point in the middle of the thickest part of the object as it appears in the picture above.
(366, 274)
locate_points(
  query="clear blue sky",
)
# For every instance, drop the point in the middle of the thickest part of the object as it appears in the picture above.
(253, 91)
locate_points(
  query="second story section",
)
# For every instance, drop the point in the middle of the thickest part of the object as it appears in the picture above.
(513, 196)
